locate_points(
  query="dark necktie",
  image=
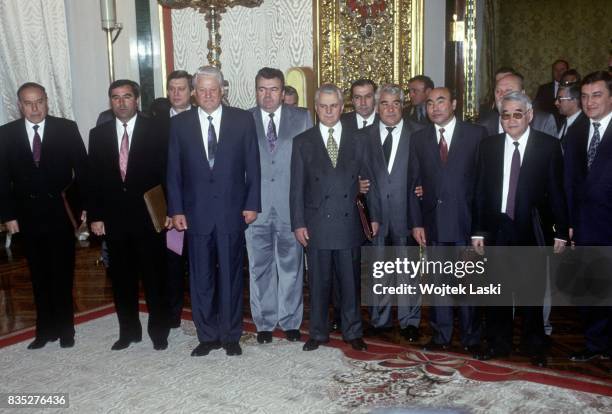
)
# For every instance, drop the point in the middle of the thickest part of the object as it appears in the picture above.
(515, 168)
(443, 147)
(563, 129)
(271, 134)
(593, 145)
(365, 124)
(212, 142)
(36, 146)
(124, 153)
(388, 144)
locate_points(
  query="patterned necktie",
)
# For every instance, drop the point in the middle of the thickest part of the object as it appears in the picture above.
(388, 144)
(443, 147)
(36, 146)
(332, 148)
(365, 124)
(124, 152)
(212, 142)
(595, 140)
(271, 134)
(515, 168)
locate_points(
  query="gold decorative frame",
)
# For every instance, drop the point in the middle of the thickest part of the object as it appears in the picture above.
(470, 99)
(384, 42)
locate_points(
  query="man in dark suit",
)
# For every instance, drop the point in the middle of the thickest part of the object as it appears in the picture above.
(418, 89)
(326, 163)
(362, 97)
(126, 159)
(388, 148)
(547, 93)
(542, 121)
(520, 177)
(588, 180)
(443, 160)
(179, 90)
(214, 194)
(41, 156)
(276, 259)
(568, 103)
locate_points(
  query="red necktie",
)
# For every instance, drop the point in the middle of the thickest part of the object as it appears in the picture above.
(124, 152)
(443, 147)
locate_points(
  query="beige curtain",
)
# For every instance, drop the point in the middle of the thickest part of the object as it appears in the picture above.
(34, 47)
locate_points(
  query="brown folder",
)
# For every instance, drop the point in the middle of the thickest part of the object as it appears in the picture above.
(364, 216)
(156, 205)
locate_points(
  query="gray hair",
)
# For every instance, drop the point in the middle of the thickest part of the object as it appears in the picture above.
(516, 97)
(211, 71)
(328, 88)
(391, 89)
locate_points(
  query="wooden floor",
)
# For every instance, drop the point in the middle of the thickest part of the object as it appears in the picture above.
(92, 289)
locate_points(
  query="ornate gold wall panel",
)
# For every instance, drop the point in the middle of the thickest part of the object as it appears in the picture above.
(377, 39)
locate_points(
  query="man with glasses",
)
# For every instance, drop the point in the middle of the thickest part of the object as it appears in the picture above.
(568, 103)
(520, 177)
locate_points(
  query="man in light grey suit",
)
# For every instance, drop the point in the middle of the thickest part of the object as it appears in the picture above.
(513, 82)
(388, 144)
(275, 256)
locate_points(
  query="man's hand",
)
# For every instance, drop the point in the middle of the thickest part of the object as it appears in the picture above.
(12, 226)
(478, 245)
(364, 185)
(168, 223)
(97, 228)
(179, 222)
(375, 228)
(559, 246)
(571, 237)
(418, 233)
(84, 216)
(249, 216)
(418, 191)
(301, 234)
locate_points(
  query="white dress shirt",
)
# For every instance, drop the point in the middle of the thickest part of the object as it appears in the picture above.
(130, 129)
(508, 152)
(449, 130)
(336, 134)
(265, 117)
(369, 120)
(568, 123)
(395, 134)
(603, 125)
(204, 124)
(30, 131)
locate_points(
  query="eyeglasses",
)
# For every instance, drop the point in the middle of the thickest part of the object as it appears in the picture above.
(516, 115)
(564, 98)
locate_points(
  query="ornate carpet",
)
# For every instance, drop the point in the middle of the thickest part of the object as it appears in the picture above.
(280, 377)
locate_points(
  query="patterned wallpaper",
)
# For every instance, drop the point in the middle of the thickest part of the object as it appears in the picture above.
(276, 34)
(533, 34)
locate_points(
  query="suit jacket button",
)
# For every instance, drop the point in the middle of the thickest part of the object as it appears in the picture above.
(273, 162)
(329, 216)
(272, 179)
(124, 189)
(211, 180)
(346, 195)
(388, 196)
(316, 178)
(345, 214)
(326, 197)
(439, 201)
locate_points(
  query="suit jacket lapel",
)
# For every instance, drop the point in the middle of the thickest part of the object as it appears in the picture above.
(498, 162)
(135, 144)
(530, 156)
(402, 149)
(604, 151)
(456, 145)
(432, 144)
(24, 143)
(286, 121)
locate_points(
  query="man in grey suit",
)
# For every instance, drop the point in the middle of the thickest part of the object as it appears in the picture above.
(388, 145)
(326, 163)
(542, 121)
(275, 256)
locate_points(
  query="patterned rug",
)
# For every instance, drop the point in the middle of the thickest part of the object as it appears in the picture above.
(280, 377)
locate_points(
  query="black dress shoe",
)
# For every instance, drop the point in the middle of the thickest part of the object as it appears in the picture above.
(433, 346)
(232, 348)
(264, 337)
(357, 344)
(123, 343)
(586, 355)
(293, 335)
(160, 344)
(311, 345)
(204, 348)
(492, 353)
(38, 343)
(67, 342)
(539, 360)
(410, 333)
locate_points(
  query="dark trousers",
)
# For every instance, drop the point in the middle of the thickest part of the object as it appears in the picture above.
(50, 258)
(215, 275)
(133, 257)
(441, 317)
(597, 322)
(177, 269)
(343, 266)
